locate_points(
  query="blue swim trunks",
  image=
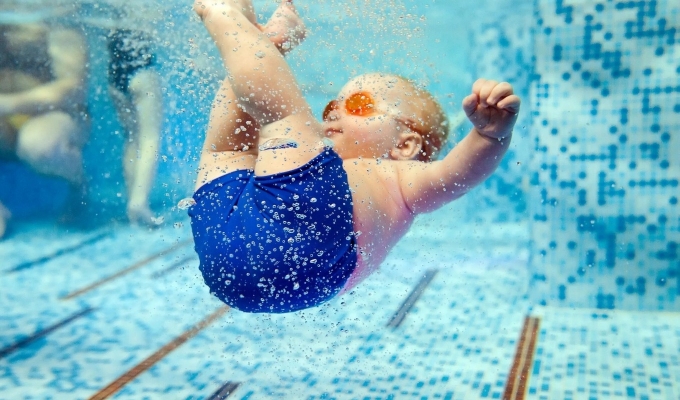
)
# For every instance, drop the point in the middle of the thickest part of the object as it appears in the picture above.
(276, 243)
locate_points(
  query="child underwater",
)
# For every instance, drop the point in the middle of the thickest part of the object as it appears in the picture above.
(289, 211)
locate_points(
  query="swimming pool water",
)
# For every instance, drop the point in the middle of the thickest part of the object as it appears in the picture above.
(575, 236)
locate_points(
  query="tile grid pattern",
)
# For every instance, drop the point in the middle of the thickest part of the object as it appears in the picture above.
(604, 181)
(457, 342)
(600, 354)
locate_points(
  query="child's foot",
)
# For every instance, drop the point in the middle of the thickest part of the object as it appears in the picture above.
(285, 28)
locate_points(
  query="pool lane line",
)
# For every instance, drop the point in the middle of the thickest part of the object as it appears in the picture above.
(173, 267)
(415, 294)
(43, 332)
(520, 371)
(150, 361)
(60, 252)
(225, 391)
(124, 271)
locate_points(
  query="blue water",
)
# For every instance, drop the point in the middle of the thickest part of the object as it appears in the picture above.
(578, 228)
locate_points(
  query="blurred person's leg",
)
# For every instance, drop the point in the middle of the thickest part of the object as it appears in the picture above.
(4, 217)
(135, 90)
(140, 113)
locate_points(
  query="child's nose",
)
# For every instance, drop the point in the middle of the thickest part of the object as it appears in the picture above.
(332, 115)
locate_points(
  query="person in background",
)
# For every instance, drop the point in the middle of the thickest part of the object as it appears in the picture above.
(44, 122)
(134, 86)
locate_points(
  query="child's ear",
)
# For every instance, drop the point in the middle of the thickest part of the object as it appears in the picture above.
(408, 146)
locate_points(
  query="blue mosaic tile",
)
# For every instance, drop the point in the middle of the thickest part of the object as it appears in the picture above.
(604, 177)
(601, 354)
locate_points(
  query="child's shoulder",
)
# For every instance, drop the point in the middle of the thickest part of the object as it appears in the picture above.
(382, 170)
(371, 168)
(376, 180)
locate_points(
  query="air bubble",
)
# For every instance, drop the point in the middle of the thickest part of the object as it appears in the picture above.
(184, 204)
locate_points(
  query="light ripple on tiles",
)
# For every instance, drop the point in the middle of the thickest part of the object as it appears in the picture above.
(463, 280)
(273, 355)
(72, 271)
(463, 350)
(16, 323)
(106, 343)
(34, 309)
(38, 240)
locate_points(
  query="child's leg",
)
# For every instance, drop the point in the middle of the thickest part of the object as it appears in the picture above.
(264, 85)
(231, 140)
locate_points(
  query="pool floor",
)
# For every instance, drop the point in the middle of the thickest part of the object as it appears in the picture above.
(121, 312)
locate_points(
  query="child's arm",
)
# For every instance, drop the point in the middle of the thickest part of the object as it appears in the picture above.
(492, 108)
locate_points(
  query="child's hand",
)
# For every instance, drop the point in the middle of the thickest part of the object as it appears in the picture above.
(492, 108)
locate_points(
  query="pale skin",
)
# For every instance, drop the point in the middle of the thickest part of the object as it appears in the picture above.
(140, 114)
(51, 137)
(389, 188)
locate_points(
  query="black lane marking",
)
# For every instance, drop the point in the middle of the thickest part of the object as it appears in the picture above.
(173, 267)
(138, 369)
(124, 271)
(415, 294)
(37, 335)
(225, 391)
(520, 371)
(60, 252)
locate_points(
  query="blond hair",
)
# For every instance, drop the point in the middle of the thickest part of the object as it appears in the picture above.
(431, 121)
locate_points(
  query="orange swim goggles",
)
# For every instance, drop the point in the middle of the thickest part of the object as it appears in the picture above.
(361, 104)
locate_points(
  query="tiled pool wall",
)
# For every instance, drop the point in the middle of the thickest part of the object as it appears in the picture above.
(604, 141)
